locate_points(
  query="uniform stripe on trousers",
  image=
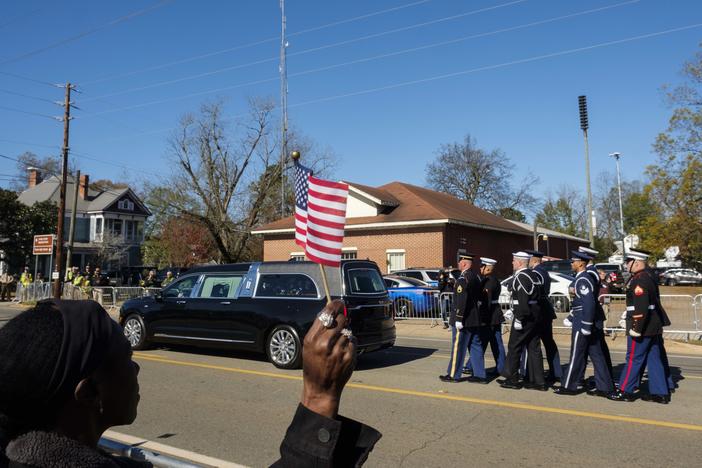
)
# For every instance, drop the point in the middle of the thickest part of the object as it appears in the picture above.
(572, 358)
(455, 353)
(631, 363)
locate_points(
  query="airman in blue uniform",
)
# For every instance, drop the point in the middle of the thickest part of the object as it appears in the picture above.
(587, 324)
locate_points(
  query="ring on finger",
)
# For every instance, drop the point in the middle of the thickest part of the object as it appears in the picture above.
(347, 332)
(327, 319)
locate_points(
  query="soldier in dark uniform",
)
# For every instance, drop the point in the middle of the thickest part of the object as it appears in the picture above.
(525, 327)
(491, 313)
(465, 308)
(446, 286)
(548, 314)
(645, 319)
(587, 323)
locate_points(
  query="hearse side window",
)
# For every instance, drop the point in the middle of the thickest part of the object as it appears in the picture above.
(365, 281)
(290, 285)
(219, 286)
(181, 288)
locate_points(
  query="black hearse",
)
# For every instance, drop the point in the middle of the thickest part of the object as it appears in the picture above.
(264, 306)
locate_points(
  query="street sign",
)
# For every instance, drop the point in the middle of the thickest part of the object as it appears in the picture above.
(54, 275)
(43, 244)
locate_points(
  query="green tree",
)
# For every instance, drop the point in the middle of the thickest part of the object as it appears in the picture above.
(565, 212)
(674, 185)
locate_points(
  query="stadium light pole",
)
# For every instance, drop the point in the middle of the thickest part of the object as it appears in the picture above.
(582, 104)
(616, 157)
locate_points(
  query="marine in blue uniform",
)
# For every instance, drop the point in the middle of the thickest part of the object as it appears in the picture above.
(463, 314)
(645, 319)
(587, 332)
(525, 327)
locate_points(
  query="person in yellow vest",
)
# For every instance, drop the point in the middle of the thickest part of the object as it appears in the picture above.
(85, 286)
(26, 277)
(78, 279)
(71, 274)
(168, 280)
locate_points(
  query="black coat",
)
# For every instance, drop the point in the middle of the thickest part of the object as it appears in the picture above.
(525, 296)
(490, 310)
(547, 310)
(645, 314)
(311, 440)
(466, 297)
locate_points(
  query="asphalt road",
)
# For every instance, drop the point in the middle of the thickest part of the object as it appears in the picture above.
(236, 407)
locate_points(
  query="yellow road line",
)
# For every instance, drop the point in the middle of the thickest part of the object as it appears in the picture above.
(479, 401)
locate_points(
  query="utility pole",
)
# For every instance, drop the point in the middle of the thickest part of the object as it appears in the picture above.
(62, 200)
(582, 103)
(72, 229)
(283, 105)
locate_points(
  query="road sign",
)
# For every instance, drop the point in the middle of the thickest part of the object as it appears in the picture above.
(43, 244)
(54, 275)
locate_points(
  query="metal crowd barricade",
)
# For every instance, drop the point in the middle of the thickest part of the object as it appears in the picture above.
(105, 296)
(413, 306)
(33, 292)
(698, 312)
(125, 293)
(138, 453)
(148, 292)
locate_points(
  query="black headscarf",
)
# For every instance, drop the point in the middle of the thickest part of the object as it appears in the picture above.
(46, 351)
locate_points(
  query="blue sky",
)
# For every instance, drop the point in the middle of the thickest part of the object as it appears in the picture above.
(499, 90)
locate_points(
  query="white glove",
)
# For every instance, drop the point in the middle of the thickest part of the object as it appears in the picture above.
(623, 316)
(567, 322)
(622, 323)
(508, 315)
(633, 333)
(585, 331)
(517, 324)
(459, 326)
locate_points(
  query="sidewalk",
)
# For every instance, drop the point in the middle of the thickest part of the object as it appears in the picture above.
(423, 329)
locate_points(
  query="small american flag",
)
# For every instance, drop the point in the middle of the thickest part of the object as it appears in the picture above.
(320, 216)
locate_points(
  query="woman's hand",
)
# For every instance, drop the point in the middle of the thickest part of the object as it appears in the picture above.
(328, 360)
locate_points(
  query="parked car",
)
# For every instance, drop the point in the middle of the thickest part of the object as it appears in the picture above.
(558, 266)
(409, 295)
(676, 276)
(428, 275)
(617, 278)
(560, 295)
(264, 307)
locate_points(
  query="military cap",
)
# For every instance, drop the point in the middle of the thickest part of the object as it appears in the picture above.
(587, 250)
(521, 255)
(465, 256)
(635, 254)
(576, 255)
(487, 261)
(535, 253)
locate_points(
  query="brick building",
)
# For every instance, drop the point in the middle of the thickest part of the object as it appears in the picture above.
(400, 226)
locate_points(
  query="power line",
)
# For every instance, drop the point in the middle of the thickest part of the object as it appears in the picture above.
(251, 44)
(26, 143)
(10, 109)
(366, 59)
(88, 32)
(308, 51)
(466, 72)
(27, 78)
(36, 98)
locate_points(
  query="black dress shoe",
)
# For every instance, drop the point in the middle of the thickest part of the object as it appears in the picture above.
(467, 372)
(565, 391)
(599, 393)
(662, 399)
(511, 384)
(539, 387)
(448, 378)
(474, 379)
(622, 396)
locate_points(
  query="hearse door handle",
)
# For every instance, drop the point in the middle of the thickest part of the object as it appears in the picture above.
(226, 302)
(181, 302)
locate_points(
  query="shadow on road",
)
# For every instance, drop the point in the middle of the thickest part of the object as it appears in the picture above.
(394, 356)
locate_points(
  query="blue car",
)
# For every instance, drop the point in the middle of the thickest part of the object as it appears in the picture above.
(412, 297)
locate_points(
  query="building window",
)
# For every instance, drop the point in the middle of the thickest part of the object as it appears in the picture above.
(395, 259)
(297, 256)
(114, 227)
(98, 229)
(349, 253)
(130, 230)
(125, 204)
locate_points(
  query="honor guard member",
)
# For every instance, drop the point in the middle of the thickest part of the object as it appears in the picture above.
(548, 314)
(491, 311)
(645, 319)
(525, 327)
(465, 305)
(587, 325)
(480, 336)
(592, 270)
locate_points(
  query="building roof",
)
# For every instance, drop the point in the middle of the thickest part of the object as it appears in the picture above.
(415, 206)
(550, 232)
(377, 195)
(49, 190)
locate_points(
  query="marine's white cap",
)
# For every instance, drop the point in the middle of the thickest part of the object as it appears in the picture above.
(588, 250)
(521, 255)
(637, 254)
(487, 261)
